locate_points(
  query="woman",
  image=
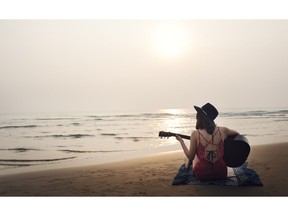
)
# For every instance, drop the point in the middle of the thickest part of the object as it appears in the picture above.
(207, 145)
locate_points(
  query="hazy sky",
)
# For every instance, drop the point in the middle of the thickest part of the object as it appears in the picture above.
(134, 65)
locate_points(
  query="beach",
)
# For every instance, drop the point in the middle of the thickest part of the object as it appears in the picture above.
(148, 176)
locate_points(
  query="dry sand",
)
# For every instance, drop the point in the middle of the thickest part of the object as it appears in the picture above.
(149, 176)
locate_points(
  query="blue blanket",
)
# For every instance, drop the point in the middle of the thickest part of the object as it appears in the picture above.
(239, 176)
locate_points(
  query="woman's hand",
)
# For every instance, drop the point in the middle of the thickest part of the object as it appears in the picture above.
(179, 138)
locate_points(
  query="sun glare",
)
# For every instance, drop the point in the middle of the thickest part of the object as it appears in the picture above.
(172, 123)
(170, 40)
(174, 111)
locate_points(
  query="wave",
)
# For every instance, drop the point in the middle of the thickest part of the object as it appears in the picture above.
(147, 116)
(19, 149)
(108, 134)
(15, 165)
(79, 151)
(97, 118)
(75, 136)
(35, 160)
(256, 113)
(283, 111)
(135, 139)
(72, 136)
(281, 120)
(53, 119)
(135, 116)
(18, 126)
(112, 116)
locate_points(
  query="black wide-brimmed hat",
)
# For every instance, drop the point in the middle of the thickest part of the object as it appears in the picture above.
(208, 111)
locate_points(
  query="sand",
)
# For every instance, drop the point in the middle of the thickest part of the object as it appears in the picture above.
(148, 176)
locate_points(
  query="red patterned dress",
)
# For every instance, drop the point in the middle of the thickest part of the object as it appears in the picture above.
(211, 165)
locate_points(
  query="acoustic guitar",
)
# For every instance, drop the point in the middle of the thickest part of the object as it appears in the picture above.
(236, 148)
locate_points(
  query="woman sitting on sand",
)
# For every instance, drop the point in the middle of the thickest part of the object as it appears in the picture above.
(207, 145)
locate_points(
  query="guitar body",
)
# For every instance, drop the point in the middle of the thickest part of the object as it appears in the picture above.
(236, 148)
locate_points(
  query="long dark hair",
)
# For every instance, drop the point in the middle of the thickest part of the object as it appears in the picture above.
(203, 123)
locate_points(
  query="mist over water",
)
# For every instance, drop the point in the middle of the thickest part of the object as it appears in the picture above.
(46, 141)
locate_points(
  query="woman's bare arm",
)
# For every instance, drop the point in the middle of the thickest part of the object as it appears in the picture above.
(190, 153)
(228, 132)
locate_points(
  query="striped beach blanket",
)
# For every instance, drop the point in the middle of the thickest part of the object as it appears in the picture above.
(238, 176)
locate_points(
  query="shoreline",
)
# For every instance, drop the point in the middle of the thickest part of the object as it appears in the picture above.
(78, 162)
(147, 176)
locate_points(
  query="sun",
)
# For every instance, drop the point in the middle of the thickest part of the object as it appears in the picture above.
(170, 40)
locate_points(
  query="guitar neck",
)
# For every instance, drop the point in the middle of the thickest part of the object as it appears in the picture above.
(181, 135)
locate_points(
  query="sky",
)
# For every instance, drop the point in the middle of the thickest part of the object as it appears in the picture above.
(142, 65)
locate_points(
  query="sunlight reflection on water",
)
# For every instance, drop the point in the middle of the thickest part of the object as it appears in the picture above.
(95, 137)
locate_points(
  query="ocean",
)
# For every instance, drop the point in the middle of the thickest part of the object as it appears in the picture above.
(38, 141)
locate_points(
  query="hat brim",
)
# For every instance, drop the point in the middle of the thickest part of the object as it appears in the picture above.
(202, 113)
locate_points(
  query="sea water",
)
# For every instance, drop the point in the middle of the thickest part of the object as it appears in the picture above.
(30, 142)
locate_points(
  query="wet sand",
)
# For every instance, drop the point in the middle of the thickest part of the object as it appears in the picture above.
(148, 176)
